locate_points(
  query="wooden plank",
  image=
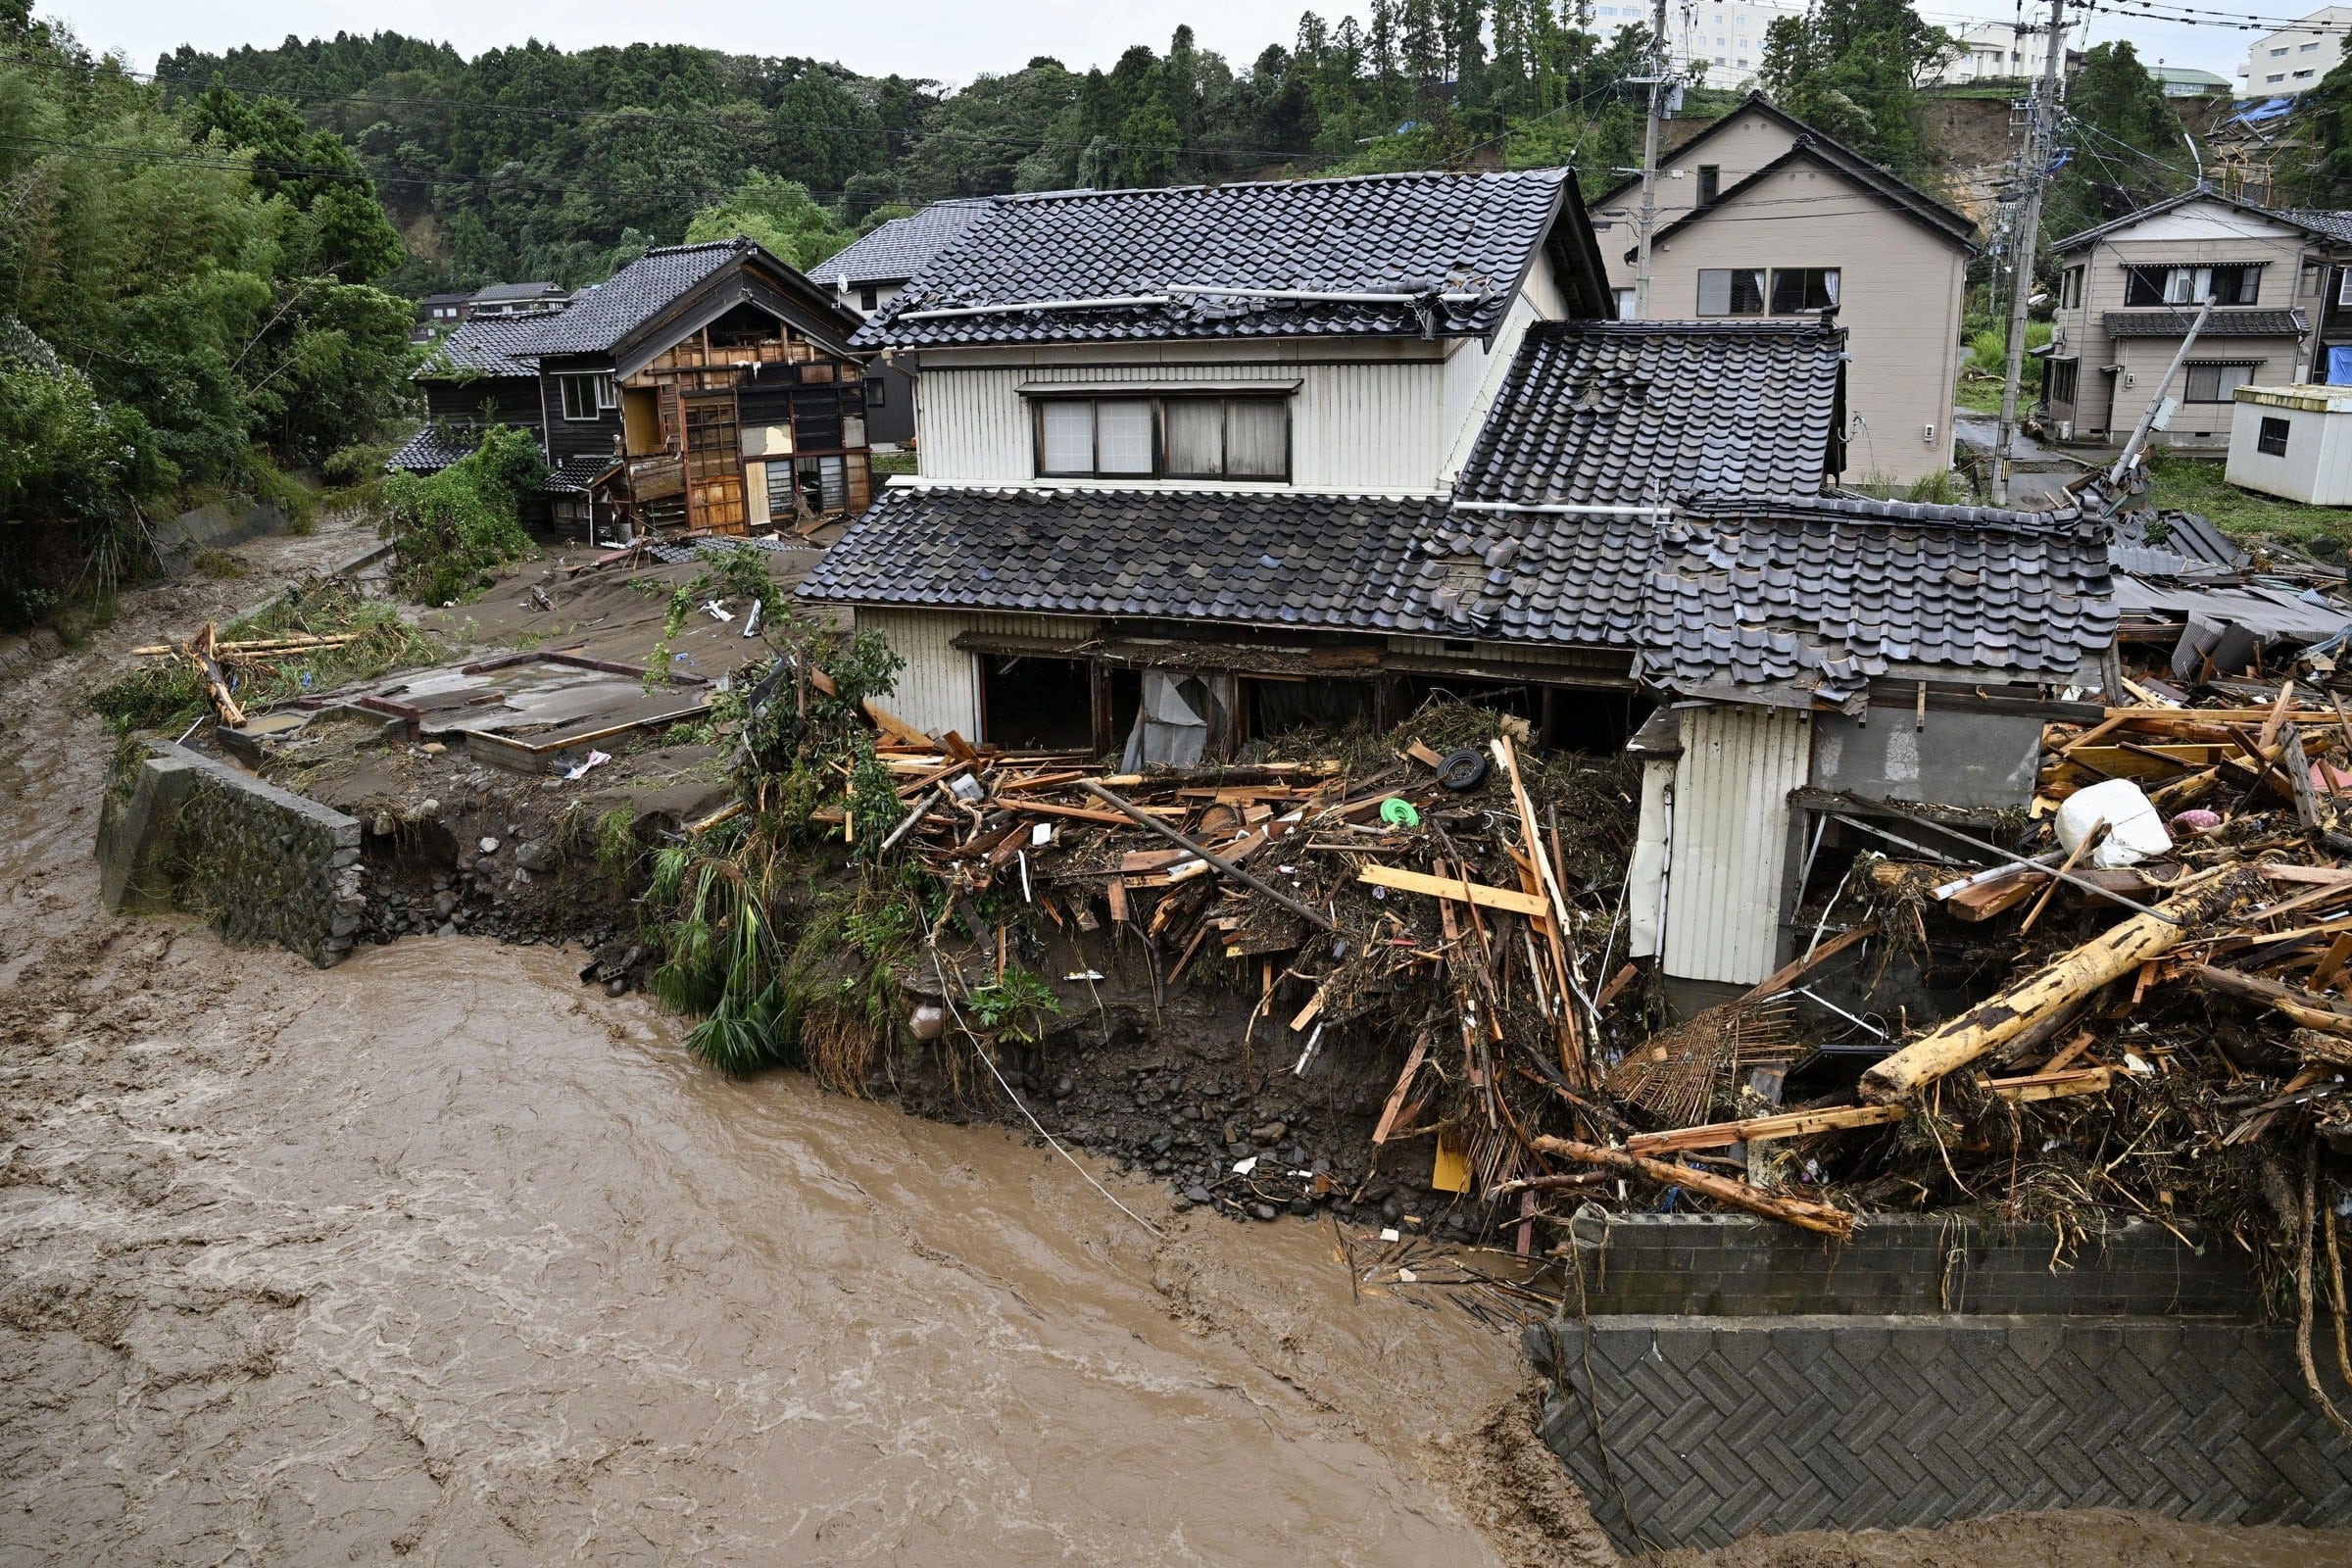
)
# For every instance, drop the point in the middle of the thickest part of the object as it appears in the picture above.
(1797, 968)
(1459, 891)
(897, 728)
(1404, 1081)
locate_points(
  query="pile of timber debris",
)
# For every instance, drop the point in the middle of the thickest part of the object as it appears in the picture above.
(1428, 901)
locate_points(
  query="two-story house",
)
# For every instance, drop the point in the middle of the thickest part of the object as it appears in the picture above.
(706, 388)
(2129, 289)
(1760, 217)
(1202, 465)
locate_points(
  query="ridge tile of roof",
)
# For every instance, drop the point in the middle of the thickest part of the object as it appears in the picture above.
(1374, 234)
(1602, 412)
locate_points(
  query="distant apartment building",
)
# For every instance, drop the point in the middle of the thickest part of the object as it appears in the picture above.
(1990, 51)
(2298, 58)
(1717, 43)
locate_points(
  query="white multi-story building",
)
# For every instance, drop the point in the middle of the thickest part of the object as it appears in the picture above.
(1990, 51)
(2296, 59)
(1714, 43)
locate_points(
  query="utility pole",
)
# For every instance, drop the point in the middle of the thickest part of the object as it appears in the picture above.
(1650, 156)
(2025, 238)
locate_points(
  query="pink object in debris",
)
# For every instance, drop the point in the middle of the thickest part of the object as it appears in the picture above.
(2196, 821)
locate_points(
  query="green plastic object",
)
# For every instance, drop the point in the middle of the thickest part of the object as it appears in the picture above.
(1398, 812)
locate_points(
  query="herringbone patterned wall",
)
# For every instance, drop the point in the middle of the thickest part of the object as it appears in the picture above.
(1693, 1431)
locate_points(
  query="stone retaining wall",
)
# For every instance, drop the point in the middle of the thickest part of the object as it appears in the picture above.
(184, 830)
(1727, 1376)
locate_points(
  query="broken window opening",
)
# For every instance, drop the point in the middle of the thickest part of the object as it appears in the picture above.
(1279, 706)
(1029, 704)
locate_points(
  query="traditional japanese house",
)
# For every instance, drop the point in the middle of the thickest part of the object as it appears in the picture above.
(707, 388)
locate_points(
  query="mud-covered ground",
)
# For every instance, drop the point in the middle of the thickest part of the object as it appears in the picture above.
(443, 1257)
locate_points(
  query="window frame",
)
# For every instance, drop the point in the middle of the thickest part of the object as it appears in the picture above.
(2072, 373)
(2160, 277)
(1763, 276)
(1159, 402)
(1710, 184)
(2271, 435)
(1835, 290)
(2228, 390)
(603, 393)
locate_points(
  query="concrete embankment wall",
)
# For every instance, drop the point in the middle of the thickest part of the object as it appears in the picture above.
(1728, 1377)
(181, 830)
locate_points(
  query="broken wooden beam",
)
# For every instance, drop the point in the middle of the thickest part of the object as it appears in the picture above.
(1825, 1218)
(1990, 1024)
(1225, 867)
(1458, 889)
(2048, 1085)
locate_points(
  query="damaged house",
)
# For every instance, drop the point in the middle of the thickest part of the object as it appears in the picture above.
(704, 388)
(1199, 467)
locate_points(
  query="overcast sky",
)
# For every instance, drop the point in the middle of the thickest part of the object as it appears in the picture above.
(951, 41)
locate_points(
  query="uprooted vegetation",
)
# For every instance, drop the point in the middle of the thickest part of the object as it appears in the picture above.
(450, 530)
(307, 641)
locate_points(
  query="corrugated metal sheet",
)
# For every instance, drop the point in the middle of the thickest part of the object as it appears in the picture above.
(1731, 840)
(1371, 427)
(938, 689)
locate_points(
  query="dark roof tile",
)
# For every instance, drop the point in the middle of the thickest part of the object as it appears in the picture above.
(1380, 233)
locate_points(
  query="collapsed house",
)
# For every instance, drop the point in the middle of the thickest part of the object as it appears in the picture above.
(704, 389)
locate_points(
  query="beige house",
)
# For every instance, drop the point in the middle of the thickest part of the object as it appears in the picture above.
(2128, 291)
(1761, 217)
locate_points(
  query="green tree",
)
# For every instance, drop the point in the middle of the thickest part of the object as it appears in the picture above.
(2125, 148)
(780, 215)
(2323, 177)
(1854, 69)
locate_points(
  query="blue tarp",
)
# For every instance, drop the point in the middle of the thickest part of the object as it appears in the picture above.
(2340, 366)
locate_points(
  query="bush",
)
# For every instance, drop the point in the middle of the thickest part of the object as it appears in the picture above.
(451, 529)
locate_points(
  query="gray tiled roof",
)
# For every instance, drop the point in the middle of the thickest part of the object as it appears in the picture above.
(1277, 557)
(901, 248)
(2196, 193)
(431, 449)
(1598, 412)
(508, 293)
(1775, 603)
(2173, 544)
(1381, 233)
(483, 346)
(1790, 603)
(2336, 225)
(574, 474)
(599, 317)
(2250, 322)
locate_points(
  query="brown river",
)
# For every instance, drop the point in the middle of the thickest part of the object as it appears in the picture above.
(440, 1256)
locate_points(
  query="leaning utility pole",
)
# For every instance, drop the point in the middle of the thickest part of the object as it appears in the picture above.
(1650, 156)
(2025, 238)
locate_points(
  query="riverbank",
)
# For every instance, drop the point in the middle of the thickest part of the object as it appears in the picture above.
(442, 1255)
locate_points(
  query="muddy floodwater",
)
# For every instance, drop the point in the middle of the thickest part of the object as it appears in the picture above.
(441, 1256)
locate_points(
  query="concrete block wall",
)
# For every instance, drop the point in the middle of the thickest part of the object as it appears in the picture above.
(1716, 1376)
(184, 830)
(1734, 1265)
(1693, 1431)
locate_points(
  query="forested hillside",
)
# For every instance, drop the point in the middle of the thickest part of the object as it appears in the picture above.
(187, 303)
(541, 163)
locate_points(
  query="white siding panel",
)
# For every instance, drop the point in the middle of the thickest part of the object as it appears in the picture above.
(937, 691)
(1730, 838)
(1353, 426)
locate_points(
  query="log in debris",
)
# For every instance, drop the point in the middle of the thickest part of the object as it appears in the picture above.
(1827, 1218)
(2069, 978)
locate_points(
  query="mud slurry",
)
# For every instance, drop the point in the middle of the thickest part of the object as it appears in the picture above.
(441, 1256)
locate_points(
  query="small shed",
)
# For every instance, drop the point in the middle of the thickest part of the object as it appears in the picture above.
(2294, 442)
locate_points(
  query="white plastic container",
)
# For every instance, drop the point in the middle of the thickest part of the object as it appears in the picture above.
(2134, 828)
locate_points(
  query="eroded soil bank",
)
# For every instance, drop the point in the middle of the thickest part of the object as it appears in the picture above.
(442, 1255)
